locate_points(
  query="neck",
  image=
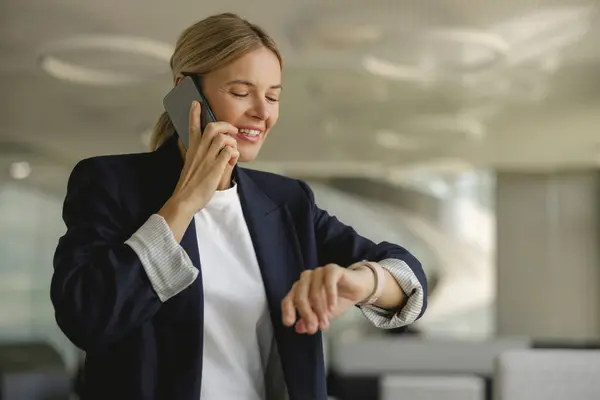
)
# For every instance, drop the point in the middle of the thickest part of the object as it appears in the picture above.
(225, 182)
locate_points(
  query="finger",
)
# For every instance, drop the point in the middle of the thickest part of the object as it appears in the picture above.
(301, 327)
(213, 131)
(302, 303)
(324, 324)
(214, 128)
(316, 296)
(194, 121)
(288, 311)
(218, 144)
(323, 313)
(234, 158)
(228, 155)
(333, 274)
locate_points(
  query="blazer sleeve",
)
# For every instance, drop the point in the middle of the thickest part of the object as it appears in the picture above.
(106, 283)
(341, 244)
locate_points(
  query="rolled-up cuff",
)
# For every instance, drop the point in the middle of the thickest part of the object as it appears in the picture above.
(386, 319)
(166, 263)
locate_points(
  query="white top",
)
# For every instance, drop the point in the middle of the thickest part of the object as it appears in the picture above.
(237, 327)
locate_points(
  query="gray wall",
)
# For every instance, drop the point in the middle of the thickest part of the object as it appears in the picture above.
(548, 262)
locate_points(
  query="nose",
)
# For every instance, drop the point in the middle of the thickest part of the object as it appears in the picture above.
(260, 111)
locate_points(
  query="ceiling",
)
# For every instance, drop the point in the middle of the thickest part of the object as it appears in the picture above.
(371, 88)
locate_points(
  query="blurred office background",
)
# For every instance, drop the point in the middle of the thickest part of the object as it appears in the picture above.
(465, 130)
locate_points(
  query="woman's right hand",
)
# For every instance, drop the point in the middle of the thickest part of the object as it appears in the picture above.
(211, 156)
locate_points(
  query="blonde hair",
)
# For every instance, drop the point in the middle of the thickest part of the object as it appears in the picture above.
(208, 45)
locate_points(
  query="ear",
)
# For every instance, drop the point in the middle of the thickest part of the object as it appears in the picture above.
(178, 79)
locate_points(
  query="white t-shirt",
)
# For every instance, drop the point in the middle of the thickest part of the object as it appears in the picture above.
(238, 333)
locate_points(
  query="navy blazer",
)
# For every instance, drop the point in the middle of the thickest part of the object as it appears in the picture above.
(140, 348)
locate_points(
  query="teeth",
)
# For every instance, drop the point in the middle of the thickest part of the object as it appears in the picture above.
(250, 132)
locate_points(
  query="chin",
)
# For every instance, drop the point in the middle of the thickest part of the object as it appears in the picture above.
(248, 151)
(246, 157)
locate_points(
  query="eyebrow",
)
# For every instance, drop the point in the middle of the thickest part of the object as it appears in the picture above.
(248, 83)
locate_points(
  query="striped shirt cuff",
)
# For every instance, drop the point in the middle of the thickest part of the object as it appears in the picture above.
(166, 263)
(410, 285)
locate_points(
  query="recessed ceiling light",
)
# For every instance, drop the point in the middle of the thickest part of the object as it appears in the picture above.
(546, 31)
(478, 49)
(395, 140)
(52, 59)
(393, 71)
(439, 52)
(20, 170)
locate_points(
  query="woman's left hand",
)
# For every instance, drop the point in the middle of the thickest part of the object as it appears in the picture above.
(323, 294)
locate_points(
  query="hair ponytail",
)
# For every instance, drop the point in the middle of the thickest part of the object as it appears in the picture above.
(163, 130)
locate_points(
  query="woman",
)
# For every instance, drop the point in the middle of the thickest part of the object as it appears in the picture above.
(184, 276)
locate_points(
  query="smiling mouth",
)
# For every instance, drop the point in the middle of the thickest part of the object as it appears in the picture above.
(249, 132)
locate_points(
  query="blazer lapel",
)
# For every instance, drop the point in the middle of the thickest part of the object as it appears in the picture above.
(280, 259)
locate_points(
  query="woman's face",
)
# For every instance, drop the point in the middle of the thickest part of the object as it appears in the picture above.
(246, 94)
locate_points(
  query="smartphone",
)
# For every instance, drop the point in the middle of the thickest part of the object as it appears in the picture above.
(178, 103)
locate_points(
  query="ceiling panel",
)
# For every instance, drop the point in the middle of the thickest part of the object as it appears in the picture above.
(336, 107)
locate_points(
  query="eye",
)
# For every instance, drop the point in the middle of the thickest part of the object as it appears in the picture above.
(239, 94)
(272, 99)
